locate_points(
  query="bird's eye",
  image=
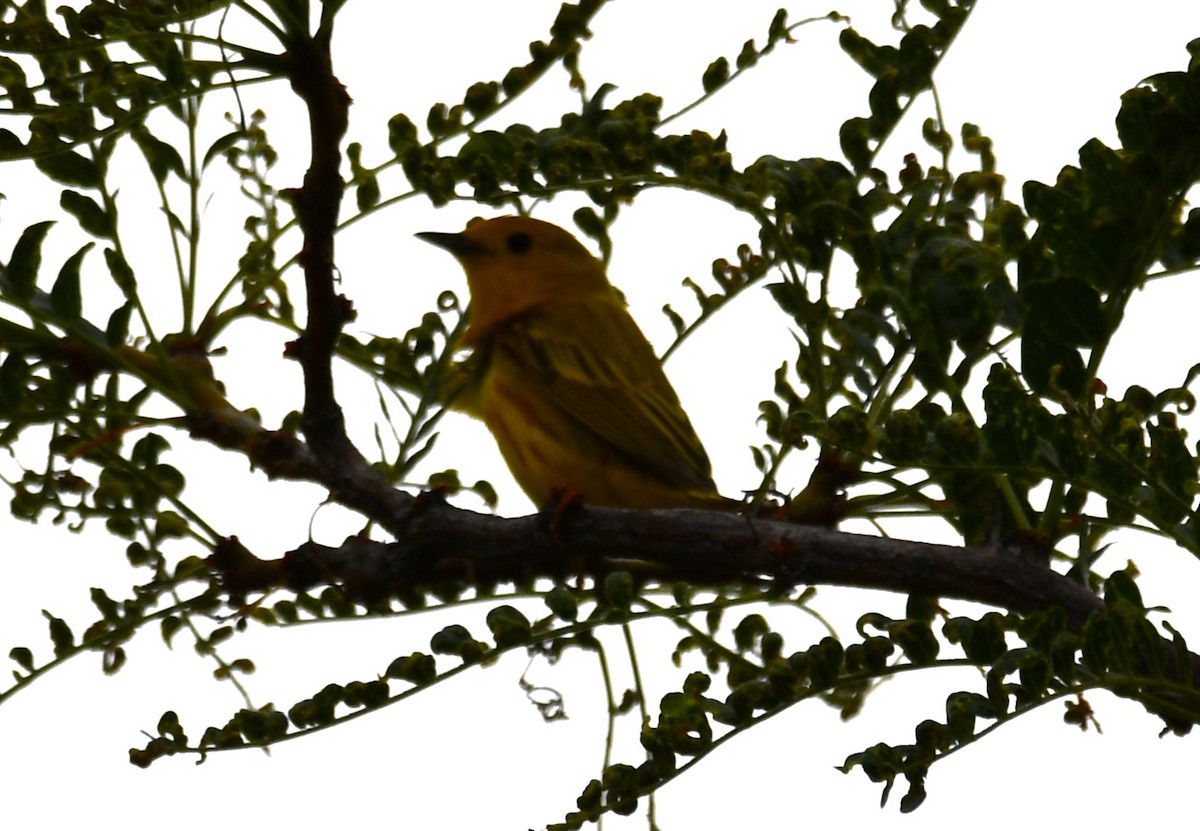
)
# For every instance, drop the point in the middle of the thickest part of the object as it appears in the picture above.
(519, 243)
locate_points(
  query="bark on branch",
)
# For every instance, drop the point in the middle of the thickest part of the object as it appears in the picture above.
(439, 544)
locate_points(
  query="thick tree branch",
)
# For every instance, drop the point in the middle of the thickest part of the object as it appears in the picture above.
(441, 544)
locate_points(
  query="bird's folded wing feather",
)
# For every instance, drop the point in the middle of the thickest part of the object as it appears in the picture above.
(593, 363)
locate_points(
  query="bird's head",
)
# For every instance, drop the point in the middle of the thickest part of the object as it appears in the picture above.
(517, 263)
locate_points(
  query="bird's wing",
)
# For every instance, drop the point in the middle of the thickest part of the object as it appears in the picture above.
(592, 362)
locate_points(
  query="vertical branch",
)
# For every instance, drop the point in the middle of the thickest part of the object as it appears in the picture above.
(345, 471)
(316, 204)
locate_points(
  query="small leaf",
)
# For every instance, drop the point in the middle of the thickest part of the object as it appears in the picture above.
(367, 193)
(26, 261)
(508, 626)
(562, 602)
(113, 660)
(748, 56)
(23, 657)
(65, 296)
(716, 75)
(88, 213)
(121, 273)
(402, 133)
(68, 168)
(11, 146)
(118, 325)
(418, 668)
(481, 98)
(109, 609)
(169, 627)
(162, 158)
(618, 590)
(60, 634)
(218, 147)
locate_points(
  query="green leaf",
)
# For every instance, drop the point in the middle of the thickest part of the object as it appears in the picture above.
(716, 75)
(118, 325)
(481, 98)
(69, 168)
(218, 147)
(26, 261)
(110, 610)
(65, 296)
(367, 192)
(402, 134)
(417, 668)
(23, 657)
(562, 602)
(120, 271)
(508, 626)
(112, 660)
(170, 524)
(11, 146)
(456, 639)
(170, 625)
(88, 213)
(1063, 314)
(618, 590)
(162, 158)
(60, 634)
(1069, 307)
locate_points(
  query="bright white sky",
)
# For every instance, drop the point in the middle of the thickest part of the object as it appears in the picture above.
(1036, 77)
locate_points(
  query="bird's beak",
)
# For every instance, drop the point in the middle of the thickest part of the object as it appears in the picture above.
(460, 245)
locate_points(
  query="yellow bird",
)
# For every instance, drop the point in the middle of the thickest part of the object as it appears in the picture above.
(564, 379)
